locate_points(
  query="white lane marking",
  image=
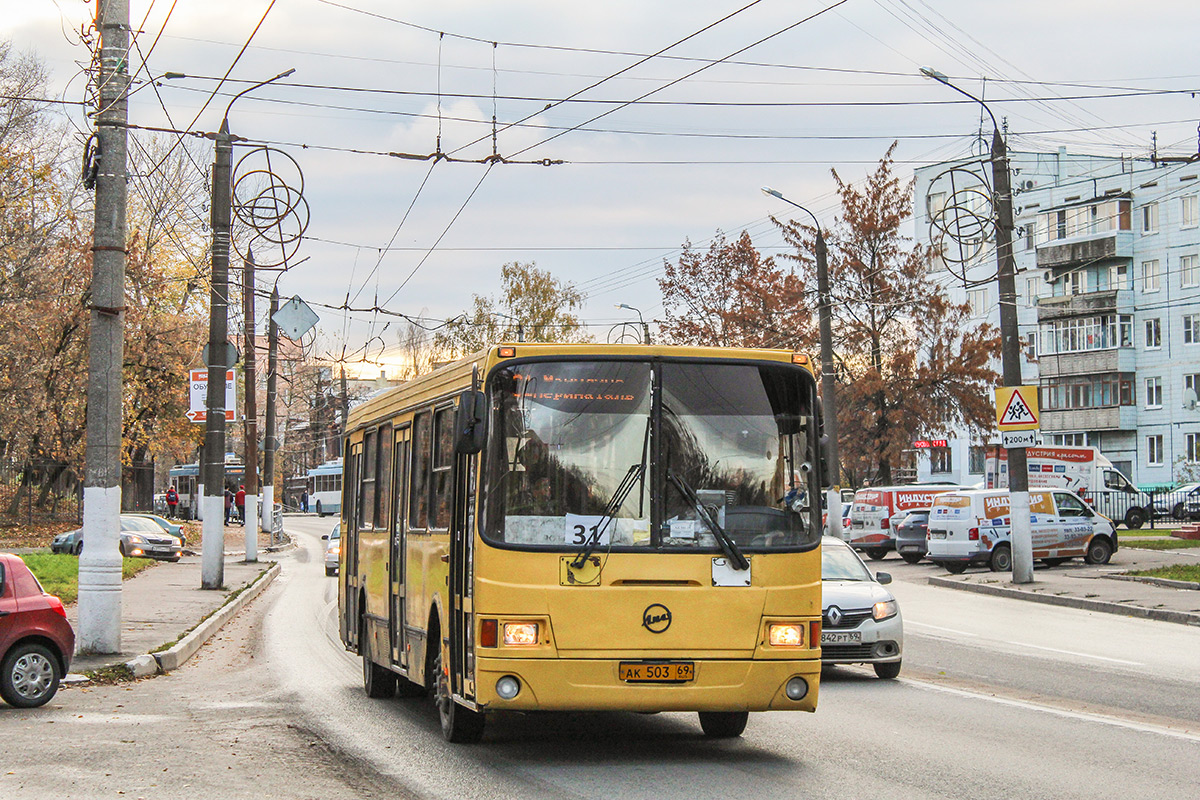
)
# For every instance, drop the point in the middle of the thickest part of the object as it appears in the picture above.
(1084, 716)
(939, 628)
(1032, 646)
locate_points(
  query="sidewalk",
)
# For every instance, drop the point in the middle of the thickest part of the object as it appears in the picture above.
(1098, 588)
(161, 604)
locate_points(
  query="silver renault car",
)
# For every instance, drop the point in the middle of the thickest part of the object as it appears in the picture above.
(860, 620)
(333, 549)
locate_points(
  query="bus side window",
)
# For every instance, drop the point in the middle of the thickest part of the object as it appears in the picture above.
(366, 495)
(443, 461)
(418, 494)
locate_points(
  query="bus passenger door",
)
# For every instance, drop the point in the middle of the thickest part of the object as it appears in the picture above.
(462, 628)
(348, 591)
(397, 557)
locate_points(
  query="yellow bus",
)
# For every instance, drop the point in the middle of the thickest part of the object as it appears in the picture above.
(588, 527)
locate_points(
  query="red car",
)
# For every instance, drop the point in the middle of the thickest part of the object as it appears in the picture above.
(36, 641)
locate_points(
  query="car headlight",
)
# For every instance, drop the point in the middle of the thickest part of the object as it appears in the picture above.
(518, 634)
(137, 539)
(885, 609)
(333, 551)
(785, 634)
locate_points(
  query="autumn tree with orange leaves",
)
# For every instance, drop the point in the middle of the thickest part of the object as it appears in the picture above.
(731, 296)
(910, 363)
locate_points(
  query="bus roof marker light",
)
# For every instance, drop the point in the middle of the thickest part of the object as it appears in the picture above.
(506, 352)
(799, 358)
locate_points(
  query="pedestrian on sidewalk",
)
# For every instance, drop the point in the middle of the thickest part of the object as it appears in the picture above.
(240, 501)
(304, 502)
(172, 501)
(228, 504)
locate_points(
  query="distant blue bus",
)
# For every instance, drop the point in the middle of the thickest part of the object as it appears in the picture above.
(325, 488)
(186, 478)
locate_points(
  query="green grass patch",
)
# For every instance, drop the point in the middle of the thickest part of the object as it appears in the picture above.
(59, 572)
(1179, 572)
(1164, 544)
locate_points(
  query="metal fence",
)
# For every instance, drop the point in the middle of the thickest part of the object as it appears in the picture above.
(1156, 509)
(37, 492)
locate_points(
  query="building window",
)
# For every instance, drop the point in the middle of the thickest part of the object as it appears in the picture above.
(978, 298)
(1071, 439)
(1150, 218)
(1103, 391)
(1087, 333)
(1154, 450)
(1191, 383)
(1189, 270)
(1189, 215)
(1191, 329)
(939, 459)
(934, 204)
(1153, 334)
(1118, 277)
(1150, 276)
(1153, 392)
(1192, 448)
(976, 459)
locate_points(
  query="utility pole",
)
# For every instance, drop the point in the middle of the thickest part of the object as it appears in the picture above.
(1010, 338)
(251, 381)
(100, 561)
(269, 442)
(212, 562)
(345, 404)
(833, 498)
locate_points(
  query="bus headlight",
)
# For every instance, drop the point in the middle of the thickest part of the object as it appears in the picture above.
(884, 609)
(508, 687)
(520, 634)
(785, 634)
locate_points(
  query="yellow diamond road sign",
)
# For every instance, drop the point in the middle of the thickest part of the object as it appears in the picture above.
(1017, 408)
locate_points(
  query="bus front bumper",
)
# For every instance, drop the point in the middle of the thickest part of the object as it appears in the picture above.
(594, 685)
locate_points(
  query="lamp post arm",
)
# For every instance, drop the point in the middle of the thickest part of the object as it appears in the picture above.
(249, 89)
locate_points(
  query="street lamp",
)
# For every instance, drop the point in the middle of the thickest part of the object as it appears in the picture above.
(645, 327)
(1010, 335)
(833, 500)
(212, 561)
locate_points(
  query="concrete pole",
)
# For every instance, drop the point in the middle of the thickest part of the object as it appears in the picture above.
(251, 382)
(833, 498)
(99, 627)
(1010, 356)
(212, 561)
(269, 434)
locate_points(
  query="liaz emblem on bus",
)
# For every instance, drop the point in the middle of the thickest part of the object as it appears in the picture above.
(656, 618)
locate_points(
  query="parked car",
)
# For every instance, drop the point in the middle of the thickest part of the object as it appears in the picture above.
(333, 549)
(162, 522)
(911, 535)
(860, 620)
(36, 641)
(975, 526)
(846, 505)
(140, 537)
(1182, 502)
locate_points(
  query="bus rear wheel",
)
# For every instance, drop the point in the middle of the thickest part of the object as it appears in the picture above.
(320, 513)
(723, 724)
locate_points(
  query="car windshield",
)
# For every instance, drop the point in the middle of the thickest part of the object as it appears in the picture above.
(577, 447)
(139, 524)
(840, 563)
(336, 533)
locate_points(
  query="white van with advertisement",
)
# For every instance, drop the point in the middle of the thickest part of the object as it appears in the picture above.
(1082, 470)
(871, 530)
(974, 526)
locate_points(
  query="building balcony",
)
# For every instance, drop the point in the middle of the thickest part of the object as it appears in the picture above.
(1084, 250)
(1089, 362)
(1085, 304)
(1113, 418)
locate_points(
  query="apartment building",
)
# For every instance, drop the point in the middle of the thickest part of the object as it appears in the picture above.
(1108, 282)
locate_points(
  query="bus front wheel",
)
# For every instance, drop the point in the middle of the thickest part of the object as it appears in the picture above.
(723, 724)
(460, 724)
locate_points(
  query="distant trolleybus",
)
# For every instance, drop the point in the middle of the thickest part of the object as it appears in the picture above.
(325, 488)
(588, 527)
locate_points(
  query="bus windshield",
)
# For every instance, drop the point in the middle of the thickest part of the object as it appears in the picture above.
(664, 455)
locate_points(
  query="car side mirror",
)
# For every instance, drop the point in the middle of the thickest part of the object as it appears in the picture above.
(883, 577)
(324, 536)
(472, 422)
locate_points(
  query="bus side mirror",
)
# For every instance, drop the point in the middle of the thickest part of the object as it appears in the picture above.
(828, 479)
(472, 422)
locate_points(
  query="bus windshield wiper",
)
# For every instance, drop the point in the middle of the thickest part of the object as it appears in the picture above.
(728, 546)
(632, 476)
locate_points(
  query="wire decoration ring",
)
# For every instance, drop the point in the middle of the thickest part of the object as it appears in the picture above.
(268, 200)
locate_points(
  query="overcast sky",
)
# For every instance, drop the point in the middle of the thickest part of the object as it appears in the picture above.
(683, 162)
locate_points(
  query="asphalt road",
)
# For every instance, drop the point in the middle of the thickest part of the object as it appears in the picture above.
(999, 699)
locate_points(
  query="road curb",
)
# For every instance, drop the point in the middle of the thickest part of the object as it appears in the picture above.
(185, 648)
(1087, 604)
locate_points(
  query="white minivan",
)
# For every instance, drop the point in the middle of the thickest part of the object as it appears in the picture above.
(972, 526)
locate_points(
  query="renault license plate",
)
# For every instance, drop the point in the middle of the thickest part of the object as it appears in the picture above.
(656, 672)
(841, 637)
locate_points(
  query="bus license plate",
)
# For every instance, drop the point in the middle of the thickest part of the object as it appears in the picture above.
(836, 637)
(642, 672)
